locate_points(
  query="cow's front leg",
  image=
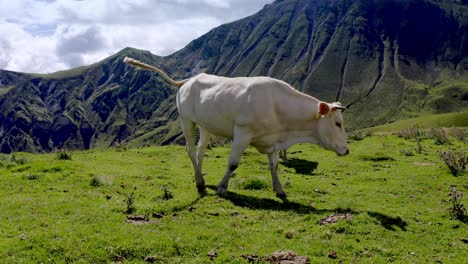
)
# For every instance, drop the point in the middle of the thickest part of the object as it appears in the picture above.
(273, 162)
(239, 144)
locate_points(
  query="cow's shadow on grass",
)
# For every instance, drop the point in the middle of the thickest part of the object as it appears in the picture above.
(389, 222)
(255, 203)
(301, 166)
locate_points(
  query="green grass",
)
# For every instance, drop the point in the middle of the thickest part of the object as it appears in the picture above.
(458, 119)
(72, 211)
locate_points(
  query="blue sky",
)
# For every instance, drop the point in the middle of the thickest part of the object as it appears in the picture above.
(43, 36)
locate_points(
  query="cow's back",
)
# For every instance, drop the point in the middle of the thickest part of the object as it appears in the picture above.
(219, 103)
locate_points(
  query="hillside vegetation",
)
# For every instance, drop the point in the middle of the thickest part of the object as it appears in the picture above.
(428, 121)
(119, 205)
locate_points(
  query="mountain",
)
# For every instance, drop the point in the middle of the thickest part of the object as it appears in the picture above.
(385, 59)
(92, 106)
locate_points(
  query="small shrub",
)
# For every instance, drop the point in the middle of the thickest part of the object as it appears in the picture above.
(357, 136)
(18, 161)
(290, 234)
(63, 154)
(460, 134)
(405, 133)
(406, 152)
(52, 169)
(120, 146)
(167, 194)
(20, 168)
(419, 147)
(219, 142)
(412, 132)
(12, 160)
(32, 176)
(96, 181)
(457, 209)
(439, 135)
(456, 161)
(129, 201)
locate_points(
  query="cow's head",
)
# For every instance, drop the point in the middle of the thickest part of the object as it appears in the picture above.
(331, 130)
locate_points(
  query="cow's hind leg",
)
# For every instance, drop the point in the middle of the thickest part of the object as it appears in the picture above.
(188, 128)
(273, 162)
(202, 143)
(283, 154)
(240, 143)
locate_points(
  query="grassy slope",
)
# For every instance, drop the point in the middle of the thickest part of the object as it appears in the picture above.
(50, 212)
(459, 119)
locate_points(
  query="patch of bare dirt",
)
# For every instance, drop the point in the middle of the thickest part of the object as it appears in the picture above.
(151, 259)
(212, 254)
(286, 257)
(423, 163)
(140, 220)
(278, 257)
(251, 258)
(213, 213)
(335, 218)
(158, 215)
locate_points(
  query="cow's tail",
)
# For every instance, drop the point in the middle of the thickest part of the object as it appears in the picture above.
(143, 65)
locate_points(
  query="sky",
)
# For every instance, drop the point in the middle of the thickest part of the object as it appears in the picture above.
(43, 36)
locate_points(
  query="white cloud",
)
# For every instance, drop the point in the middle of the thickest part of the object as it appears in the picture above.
(5, 51)
(214, 3)
(47, 35)
(26, 52)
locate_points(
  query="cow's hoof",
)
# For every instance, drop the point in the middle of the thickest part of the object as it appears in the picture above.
(201, 188)
(282, 195)
(221, 192)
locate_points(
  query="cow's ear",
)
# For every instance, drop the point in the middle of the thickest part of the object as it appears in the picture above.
(323, 108)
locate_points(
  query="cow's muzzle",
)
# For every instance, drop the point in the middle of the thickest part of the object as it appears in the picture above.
(344, 153)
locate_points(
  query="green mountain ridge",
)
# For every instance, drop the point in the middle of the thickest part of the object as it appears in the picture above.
(385, 60)
(453, 119)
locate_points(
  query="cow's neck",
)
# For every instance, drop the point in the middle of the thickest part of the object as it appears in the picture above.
(299, 108)
(294, 137)
(282, 140)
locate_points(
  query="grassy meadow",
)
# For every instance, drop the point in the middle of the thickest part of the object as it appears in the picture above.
(456, 119)
(393, 190)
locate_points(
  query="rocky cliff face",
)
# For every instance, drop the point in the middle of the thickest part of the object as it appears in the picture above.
(92, 106)
(370, 55)
(384, 59)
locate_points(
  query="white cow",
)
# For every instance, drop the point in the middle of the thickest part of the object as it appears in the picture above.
(260, 111)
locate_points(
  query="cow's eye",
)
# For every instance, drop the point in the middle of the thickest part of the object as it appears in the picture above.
(338, 124)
